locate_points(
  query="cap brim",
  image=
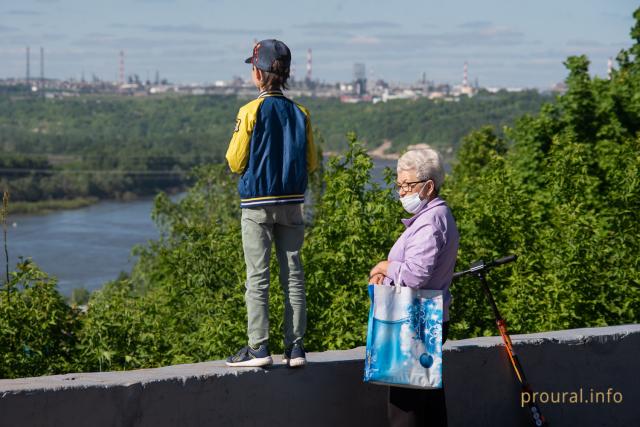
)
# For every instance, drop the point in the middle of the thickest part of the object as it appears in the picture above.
(248, 60)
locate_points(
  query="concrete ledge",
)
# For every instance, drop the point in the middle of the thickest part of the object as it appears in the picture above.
(480, 386)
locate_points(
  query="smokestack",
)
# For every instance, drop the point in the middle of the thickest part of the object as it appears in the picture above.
(309, 65)
(28, 79)
(42, 70)
(121, 69)
(609, 68)
(465, 75)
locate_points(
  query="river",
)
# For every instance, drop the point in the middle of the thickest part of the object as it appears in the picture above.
(90, 246)
(82, 247)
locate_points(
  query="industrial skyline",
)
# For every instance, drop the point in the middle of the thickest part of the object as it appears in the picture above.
(507, 45)
(359, 74)
(358, 89)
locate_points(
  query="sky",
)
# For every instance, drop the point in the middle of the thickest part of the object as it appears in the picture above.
(507, 43)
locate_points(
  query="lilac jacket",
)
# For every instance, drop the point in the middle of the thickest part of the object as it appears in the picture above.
(425, 254)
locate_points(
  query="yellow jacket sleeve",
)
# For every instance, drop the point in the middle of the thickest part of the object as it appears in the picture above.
(238, 152)
(312, 153)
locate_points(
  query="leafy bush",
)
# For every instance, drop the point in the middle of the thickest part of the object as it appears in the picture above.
(355, 226)
(37, 328)
(562, 190)
(185, 299)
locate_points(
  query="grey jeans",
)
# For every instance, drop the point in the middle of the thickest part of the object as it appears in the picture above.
(284, 226)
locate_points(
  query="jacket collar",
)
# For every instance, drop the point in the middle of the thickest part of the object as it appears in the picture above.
(432, 204)
(266, 93)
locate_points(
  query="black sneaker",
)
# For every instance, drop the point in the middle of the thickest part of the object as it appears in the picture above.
(248, 357)
(294, 357)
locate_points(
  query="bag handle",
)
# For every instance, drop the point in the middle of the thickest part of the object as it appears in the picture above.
(398, 286)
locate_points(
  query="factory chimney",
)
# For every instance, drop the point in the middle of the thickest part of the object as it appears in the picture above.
(465, 75)
(121, 70)
(28, 79)
(309, 65)
(42, 70)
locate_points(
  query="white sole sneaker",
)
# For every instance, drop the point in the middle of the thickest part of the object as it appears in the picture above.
(297, 362)
(252, 363)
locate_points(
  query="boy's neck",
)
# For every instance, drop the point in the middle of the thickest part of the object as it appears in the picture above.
(270, 89)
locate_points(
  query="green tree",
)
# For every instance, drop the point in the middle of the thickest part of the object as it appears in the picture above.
(564, 195)
(37, 328)
(185, 299)
(356, 224)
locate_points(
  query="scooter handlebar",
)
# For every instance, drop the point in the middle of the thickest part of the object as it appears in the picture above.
(503, 260)
(458, 274)
(481, 265)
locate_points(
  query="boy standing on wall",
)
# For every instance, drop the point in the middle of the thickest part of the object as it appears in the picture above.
(272, 147)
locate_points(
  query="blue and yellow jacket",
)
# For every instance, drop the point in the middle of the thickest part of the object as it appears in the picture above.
(272, 147)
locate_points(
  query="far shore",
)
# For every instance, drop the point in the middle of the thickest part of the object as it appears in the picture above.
(51, 205)
(42, 207)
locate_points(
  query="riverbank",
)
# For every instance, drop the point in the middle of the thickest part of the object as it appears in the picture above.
(52, 205)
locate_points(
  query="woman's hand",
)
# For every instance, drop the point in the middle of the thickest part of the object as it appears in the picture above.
(378, 273)
(380, 268)
(377, 279)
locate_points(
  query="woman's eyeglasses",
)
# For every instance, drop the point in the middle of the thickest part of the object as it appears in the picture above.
(408, 186)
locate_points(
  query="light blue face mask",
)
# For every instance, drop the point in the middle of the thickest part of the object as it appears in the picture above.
(412, 202)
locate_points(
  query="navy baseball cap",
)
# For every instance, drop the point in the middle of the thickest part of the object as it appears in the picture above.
(266, 52)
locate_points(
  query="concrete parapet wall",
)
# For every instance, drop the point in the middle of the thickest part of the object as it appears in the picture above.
(480, 386)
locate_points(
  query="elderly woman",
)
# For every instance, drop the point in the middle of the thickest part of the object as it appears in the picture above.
(423, 257)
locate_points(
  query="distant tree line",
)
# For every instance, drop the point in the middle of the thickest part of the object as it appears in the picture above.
(439, 123)
(111, 147)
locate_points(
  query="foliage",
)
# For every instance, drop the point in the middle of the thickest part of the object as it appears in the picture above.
(356, 223)
(441, 124)
(561, 190)
(114, 147)
(108, 147)
(79, 296)
(37, 328)
(184, 302)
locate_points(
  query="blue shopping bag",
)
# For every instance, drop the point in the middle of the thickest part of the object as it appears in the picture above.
(404, 337)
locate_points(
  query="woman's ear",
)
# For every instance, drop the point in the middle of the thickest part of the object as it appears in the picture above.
(430, 190)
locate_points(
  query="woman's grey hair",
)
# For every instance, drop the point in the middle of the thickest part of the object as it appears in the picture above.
(426, 162)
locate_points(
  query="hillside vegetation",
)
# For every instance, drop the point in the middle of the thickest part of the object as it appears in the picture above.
(115, 147)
